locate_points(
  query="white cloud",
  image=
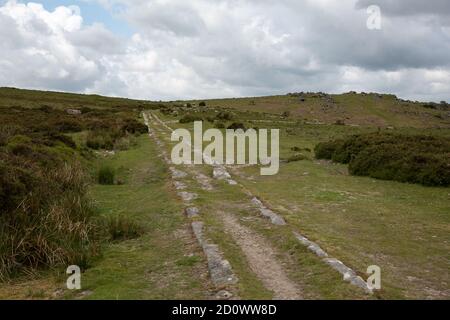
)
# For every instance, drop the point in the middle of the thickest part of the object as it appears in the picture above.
(224, 48)
(36, 51)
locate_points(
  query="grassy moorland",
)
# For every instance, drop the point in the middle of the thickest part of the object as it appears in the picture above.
(99, 199)
(47, 218)
(163, 263)
(81, 183)
(403, 228)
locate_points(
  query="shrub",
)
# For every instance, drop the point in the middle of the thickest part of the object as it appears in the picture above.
(68, 126)
(85, 110)
(297, 149)
(6, 132)
(325, 150)
(219, 125)
(135, 127)
(15, 184)
(46, 218)
(404, 158)
(99, 140)
(45, 108)
(20, 145)
(236, 126)
(125, 143)
(225, 116)
(188, 118)
(202, 104)
(48, 224)
(52, 137)
(106, 175)
(122, 228)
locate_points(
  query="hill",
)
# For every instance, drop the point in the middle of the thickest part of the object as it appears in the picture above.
(365, 109)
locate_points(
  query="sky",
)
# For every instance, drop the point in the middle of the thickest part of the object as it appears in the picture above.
(198, 49)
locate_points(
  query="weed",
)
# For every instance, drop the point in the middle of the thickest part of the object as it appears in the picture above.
(122, 228)
(106, 175)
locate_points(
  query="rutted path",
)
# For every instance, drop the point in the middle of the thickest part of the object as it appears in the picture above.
(260, 256)
(262, 259)
(220, 269)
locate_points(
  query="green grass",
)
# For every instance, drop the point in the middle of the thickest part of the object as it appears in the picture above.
(316, 279)
(159, 264)
(162, 263)
(403, 228)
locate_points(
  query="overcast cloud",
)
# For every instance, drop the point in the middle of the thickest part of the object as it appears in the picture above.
(224, 48)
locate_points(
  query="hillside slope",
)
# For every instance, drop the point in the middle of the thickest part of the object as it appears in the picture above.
(364, 109)
(350, 108)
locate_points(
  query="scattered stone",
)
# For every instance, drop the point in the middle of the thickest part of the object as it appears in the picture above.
(204, 181)
(224, 295)
(73, 112)
(58, 293)
(192, 212)
(219, 268)
(188, 196)
(179, 185)
(311, 246)
(347, 273)
(84, 294)
(177, 174)
(266, 212)
(106, 153)
(220, 173)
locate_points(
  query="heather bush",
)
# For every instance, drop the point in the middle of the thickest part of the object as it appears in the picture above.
(236, 126)
(405, 158)
(45, 219)
(189, 118)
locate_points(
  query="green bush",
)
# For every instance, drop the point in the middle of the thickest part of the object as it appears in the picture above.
(134, 127)
(224, 116)
(189, 118)
(100, 140)
(106, 175)
(405, 158)
(219, 125)
(125, 143)
(325, 150)
(68, 126)
(46, 222)
(236, 126)
(15, 184)
(46, 218)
